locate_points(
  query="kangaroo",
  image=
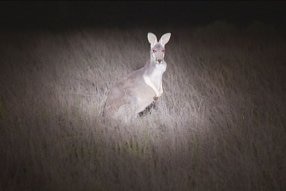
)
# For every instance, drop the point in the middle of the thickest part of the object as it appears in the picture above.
(142, 87)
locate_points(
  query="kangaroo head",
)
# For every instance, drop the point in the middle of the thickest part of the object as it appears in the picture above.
(157, 51)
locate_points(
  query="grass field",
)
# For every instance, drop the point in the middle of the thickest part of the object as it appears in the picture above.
(220, 124)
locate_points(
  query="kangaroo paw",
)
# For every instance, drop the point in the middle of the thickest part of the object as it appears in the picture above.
(155, 106)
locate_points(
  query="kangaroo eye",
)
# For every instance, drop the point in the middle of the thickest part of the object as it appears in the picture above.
(154, 50)
(163, 50)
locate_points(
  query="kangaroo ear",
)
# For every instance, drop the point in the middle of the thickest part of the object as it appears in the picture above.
(165, 38)
(152, 38)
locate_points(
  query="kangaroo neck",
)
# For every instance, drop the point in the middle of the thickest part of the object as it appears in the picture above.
(152, 67)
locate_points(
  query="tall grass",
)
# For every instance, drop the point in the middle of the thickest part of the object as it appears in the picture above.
(220, 124)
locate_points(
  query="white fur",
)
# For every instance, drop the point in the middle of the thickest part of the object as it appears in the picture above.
(165, 39)
(152, 38)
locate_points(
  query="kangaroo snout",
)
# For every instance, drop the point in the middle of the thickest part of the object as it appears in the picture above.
(159, 60)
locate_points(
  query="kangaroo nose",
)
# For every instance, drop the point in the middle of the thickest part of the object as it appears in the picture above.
(159, 60)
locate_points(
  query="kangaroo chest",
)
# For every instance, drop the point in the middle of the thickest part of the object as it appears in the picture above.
(156, 78)
(154, 75)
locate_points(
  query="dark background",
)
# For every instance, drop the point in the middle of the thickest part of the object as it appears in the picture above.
(125, 13)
